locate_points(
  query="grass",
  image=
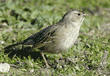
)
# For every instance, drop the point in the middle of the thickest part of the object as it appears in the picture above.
(23, 18)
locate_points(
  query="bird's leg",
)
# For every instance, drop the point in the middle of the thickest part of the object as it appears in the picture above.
(42, 56)
(45, 60)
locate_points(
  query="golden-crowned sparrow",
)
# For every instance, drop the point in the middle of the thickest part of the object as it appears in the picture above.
(58, 37)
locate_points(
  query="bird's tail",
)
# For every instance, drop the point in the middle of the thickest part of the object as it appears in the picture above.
(10, 46)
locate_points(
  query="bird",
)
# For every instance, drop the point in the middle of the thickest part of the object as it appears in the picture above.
(57, 37)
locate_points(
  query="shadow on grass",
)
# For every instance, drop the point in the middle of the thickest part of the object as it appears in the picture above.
(23, 53)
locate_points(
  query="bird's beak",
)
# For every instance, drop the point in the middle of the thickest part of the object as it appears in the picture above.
(85, 14)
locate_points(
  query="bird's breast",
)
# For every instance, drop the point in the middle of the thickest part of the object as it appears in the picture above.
(66, 37)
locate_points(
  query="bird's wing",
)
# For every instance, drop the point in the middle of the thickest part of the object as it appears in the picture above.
(39, 38)
(42, 36)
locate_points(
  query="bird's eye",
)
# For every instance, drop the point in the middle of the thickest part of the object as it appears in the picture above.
(78, 14)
